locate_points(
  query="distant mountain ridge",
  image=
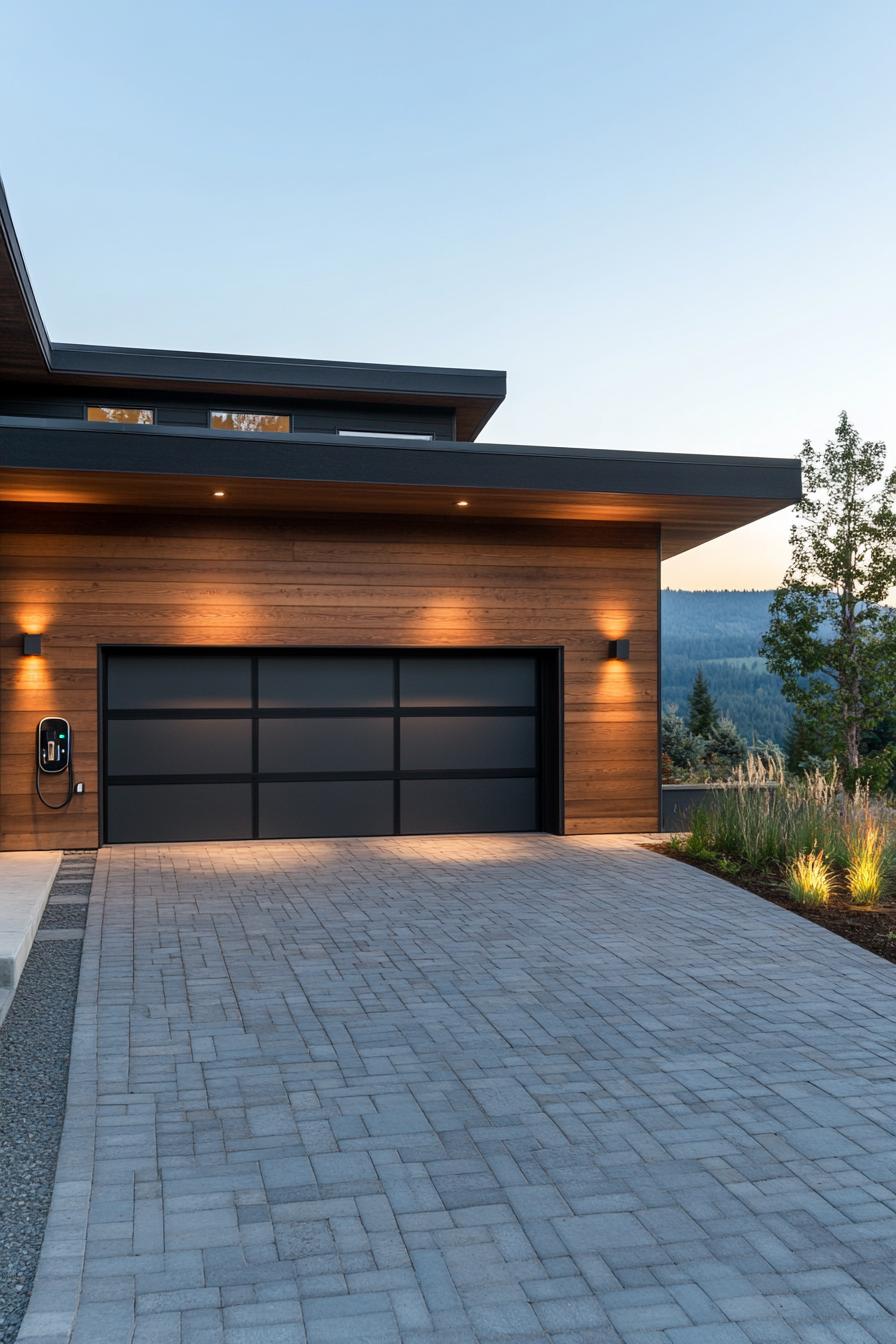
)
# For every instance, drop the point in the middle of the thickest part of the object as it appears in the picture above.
(720, 632)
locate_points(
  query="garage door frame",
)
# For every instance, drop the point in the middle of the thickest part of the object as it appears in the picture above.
(548, 717)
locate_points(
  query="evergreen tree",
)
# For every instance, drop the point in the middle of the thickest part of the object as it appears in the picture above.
(702, 712)
(725, 746)
(682, 747)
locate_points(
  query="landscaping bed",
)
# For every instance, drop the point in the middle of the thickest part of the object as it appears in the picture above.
(806, 843)
(871, 927)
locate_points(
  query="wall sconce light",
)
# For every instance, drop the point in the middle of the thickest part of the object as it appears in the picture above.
(31, 645)
(618, 648)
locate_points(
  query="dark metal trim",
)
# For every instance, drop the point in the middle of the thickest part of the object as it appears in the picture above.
(253, 691)
(551, 742)
(396, 744)
(659, 677)
(325, 712)
(102, 745)
(352, 650)
(252, 371)
(321, 776)
(48, 444)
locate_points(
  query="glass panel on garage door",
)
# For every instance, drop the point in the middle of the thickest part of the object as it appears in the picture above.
(235, 745)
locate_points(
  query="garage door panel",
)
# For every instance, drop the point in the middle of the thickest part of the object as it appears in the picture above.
(466, 682)
(476, 742)
(259, 743)
(325, 808)
(302, 746)
(148, 813)
(443, 806)
(179, 681)
(179, 747)
(313, 681)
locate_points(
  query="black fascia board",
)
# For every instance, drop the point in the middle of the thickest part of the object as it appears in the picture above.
(33, 444)
(243, 371)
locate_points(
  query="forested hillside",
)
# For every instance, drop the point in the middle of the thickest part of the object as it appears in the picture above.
(720, 632)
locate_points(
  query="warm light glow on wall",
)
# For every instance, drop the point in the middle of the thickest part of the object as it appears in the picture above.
(613, 624)
(32, 674)
(448, 620)
(32, 621)
(217, 614)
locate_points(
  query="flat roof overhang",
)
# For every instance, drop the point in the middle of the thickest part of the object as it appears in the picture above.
(472, 394)
(692, 497)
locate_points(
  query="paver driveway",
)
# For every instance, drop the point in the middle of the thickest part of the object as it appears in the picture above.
(449, 1090)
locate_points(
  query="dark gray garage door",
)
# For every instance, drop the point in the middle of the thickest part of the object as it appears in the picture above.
(240, 745)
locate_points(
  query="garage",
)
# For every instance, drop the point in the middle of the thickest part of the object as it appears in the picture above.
(267, 744)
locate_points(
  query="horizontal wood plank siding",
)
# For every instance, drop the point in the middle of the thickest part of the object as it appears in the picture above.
(85, 579)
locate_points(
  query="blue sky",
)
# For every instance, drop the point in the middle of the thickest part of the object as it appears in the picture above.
(674, 224)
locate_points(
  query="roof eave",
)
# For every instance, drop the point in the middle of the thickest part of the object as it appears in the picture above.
(692, 498)
(22, 332)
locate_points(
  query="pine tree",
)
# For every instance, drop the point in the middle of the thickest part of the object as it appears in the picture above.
(725, 745)
(683, 748)
(702, 712)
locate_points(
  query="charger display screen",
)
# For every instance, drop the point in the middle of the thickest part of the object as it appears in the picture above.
(53, 745)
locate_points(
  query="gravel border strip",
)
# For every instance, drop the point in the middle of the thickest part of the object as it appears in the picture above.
(35, 1044)
(67, 915)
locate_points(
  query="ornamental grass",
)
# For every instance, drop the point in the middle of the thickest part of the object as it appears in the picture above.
(869, 861)
(770, 823)
(809, 878)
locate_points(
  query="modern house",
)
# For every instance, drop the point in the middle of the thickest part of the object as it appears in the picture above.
(288, 598)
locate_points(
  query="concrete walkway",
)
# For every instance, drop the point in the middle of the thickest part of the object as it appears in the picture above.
(26, 877)
(446, 1091)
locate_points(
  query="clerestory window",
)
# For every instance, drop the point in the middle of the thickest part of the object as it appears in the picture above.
(121, 415)
(251, 422)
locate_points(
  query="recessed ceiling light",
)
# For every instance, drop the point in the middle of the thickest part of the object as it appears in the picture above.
(462, 504)
(218, 494)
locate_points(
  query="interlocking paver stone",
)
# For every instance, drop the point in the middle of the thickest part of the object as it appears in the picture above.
(465, 1090)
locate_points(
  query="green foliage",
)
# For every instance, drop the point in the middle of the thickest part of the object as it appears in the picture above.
(719, 632)
(687, 755)
(725, 747)
(683, 748)
(879, 752)
(766, 821)
(702, 712)
(695, 850)
(831, 639)
(805, 747)
(877, 769)
(727, 867)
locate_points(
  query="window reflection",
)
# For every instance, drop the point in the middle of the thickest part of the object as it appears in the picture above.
(121, 415)
(251, 422)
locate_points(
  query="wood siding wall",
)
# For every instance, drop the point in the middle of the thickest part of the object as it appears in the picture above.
(89, 579)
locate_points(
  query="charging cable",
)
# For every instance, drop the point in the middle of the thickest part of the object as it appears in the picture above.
(56, 807)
